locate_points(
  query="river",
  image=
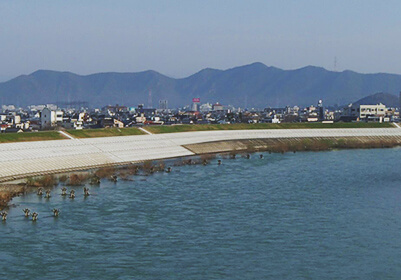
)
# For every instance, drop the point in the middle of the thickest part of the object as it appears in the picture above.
(308, 215)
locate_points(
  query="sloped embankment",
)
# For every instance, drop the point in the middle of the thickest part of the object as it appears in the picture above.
(296, 144)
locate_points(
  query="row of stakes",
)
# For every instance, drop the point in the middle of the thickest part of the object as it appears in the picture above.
(205, 162)
(56, 212)
(63, 192)
(248, 156)
(169, 169)
(219, 162)
(34, 215)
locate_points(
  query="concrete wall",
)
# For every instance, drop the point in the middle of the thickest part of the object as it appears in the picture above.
(43, 157)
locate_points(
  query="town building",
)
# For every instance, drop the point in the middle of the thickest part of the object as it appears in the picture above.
(364, 112)
(218, 107)
(50, 118)
(205, 108)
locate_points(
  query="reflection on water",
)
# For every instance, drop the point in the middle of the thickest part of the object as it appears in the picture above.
(317, 215)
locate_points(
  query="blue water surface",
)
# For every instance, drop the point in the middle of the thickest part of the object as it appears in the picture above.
(309, 215)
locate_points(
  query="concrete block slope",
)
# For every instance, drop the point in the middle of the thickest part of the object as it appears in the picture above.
(44, 157)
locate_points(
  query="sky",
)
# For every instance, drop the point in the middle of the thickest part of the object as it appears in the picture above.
(180, 37)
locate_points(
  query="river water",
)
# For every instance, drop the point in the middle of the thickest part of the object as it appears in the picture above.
(310, 215)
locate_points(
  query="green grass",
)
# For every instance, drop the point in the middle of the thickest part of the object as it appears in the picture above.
(30, 136)
(239, 126)
(104, 132)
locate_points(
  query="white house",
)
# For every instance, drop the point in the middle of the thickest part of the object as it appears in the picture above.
(49, 118)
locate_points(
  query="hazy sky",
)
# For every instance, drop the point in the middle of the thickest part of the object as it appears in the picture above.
(180, 37)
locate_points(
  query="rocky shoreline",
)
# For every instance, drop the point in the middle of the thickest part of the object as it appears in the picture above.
(8, 191)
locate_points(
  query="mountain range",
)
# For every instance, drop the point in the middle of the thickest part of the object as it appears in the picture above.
(253, 85)
(390, 100)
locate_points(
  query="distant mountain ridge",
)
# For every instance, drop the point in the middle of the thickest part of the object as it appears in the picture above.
(253, 85)
(390, 100)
